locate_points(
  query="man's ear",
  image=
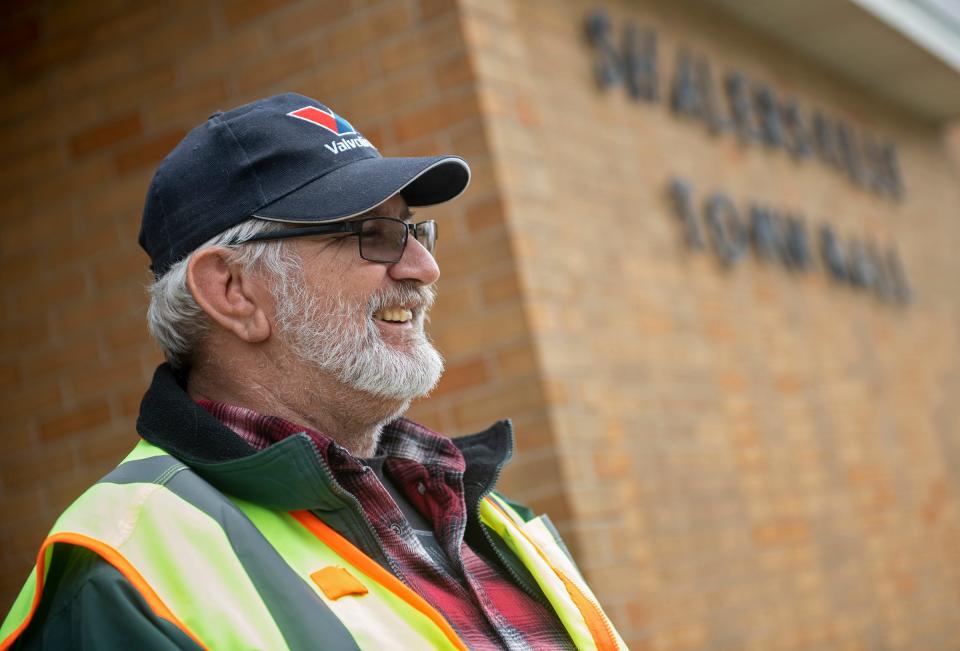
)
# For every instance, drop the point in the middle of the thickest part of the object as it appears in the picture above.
(228, 294)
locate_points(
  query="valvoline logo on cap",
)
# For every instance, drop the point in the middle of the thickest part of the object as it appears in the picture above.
(334, 124)
(326, 119)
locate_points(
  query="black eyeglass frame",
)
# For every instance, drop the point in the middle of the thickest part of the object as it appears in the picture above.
(426, 229)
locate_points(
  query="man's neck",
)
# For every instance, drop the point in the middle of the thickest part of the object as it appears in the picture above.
(352, 418)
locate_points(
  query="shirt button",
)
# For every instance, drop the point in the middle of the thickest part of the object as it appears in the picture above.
(395, 527)
(421, 488)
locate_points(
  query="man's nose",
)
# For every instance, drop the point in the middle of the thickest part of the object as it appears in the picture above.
(416, 263)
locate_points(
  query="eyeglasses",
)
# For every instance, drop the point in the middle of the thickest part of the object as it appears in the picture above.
(382, 239)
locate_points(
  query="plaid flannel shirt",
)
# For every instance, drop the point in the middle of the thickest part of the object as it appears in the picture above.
(486, 608)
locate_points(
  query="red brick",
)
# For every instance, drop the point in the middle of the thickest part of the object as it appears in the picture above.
(121, 199)
(140, 89)
(237, 12)
(43, 128)
(36, 295)
(34, 399)
(483, 254)
(22, 99)
(190, 105)
(35, 167)
(274, 66)
(76, 180)
(20, 433)
(77, 420)
(476, 332)
(353, 71)
(517, 360)
(463, 375)
(427, 413)
(61, 490)
(485, 215)
(526, 111)
(35, 235)
(125, 370)
(608, 465)
(128, 267)
(438, 38)
(440, 114)
(178, 37)
(108, 133)
(98, 310)
(125, 334)
(27, 505)
(130, 24)
(533, 431)
(85, 74)
(32, 62)
(58, 358)
(14, 204)
(215, 57)
(455, 298)
(102, 453)
(454, 72)
(147, 153)
(308, 18)
(558, 507)
(10, 376)
(367, 29)
(21, 470)
(501, 13)
(503, 288)
(430, 9)
(24, 540)
(130, 402)
(23, 333)
(79, 17)
(378, 100)
(507, 401)
(71, 256)
(780, 532)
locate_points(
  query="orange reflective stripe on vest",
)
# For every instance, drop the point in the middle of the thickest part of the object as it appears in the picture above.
(113, 557)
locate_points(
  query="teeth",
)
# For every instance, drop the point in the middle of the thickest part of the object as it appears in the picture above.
(395, 314)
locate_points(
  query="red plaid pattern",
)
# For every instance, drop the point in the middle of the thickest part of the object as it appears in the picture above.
(483, 604)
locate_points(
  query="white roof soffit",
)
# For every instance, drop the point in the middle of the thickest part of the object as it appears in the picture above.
(906, 51)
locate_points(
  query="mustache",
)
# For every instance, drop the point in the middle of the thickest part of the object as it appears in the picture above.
(408, 293)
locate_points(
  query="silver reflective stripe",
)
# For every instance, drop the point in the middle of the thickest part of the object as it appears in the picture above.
(305, 621)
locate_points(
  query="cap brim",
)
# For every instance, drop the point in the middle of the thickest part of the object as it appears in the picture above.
(362, 185)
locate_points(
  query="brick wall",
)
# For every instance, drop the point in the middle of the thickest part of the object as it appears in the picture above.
(755, 458)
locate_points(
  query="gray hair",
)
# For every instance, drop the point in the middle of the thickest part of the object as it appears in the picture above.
(174, 318)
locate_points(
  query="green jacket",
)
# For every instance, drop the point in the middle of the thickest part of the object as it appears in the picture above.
(87, 603)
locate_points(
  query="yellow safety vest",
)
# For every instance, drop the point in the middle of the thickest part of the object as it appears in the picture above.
(234, 575)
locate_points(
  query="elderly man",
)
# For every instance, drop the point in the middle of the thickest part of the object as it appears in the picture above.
(277, 498)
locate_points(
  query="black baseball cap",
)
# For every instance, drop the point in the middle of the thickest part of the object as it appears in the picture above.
(286, 158)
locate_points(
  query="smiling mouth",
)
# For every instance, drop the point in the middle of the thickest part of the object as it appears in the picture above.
(394, 315)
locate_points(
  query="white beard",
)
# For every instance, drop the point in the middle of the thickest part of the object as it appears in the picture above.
(341, 339)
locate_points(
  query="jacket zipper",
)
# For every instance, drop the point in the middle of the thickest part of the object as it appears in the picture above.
(537, 595)
(358, 510)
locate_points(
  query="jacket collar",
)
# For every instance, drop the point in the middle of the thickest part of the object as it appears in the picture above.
(291, 474)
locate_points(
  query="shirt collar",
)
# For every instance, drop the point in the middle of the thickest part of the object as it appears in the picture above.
(293, 473)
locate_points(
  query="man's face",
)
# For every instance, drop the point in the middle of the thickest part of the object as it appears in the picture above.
(362, 321)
